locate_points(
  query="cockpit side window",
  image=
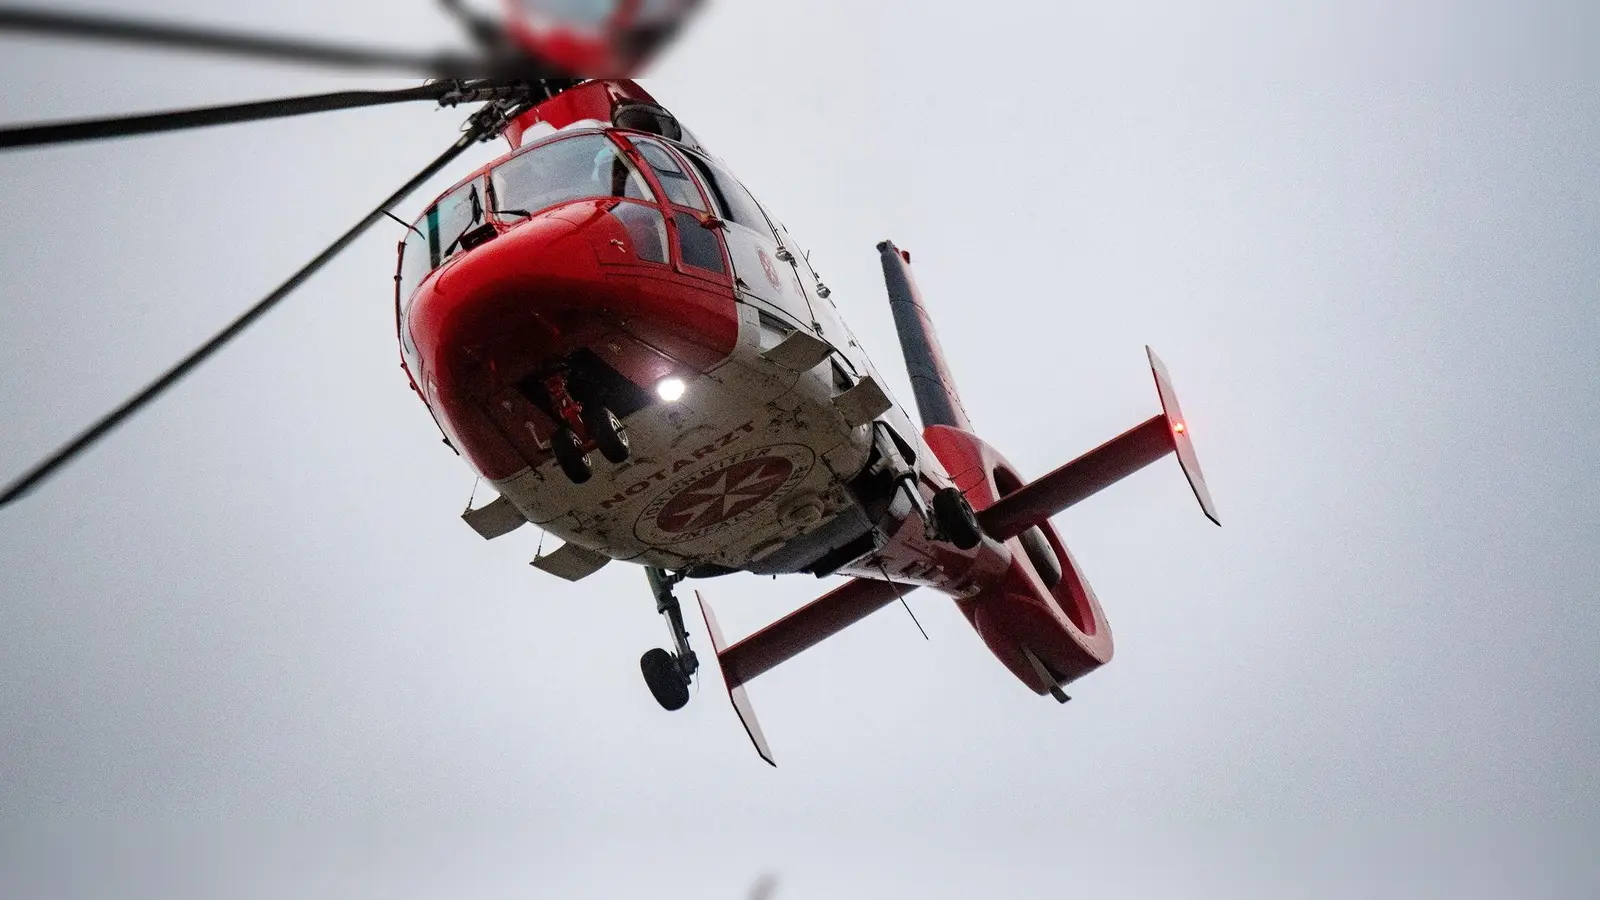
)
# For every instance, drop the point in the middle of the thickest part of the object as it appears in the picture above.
(437, 236)
(679, 187)
(414, 262)
(451, 220)
(736, 202)
(577, 168)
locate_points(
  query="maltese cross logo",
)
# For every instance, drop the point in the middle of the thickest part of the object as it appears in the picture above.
(724, 494)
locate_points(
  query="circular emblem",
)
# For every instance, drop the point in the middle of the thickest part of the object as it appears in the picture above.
(723, 494)
(772, 270)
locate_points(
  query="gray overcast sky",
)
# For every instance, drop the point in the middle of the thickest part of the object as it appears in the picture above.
(247, 650)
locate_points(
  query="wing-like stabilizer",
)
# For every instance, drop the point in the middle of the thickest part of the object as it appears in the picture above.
(736, 691)
(1104, 466)
(790, 636)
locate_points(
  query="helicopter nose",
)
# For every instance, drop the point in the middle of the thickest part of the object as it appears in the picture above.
(505, 304)
(564, 282)
(541, 299)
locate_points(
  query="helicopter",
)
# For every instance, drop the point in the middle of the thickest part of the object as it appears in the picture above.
(620, 339)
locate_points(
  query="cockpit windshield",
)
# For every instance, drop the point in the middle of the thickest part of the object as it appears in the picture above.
(581, 167)
(561, 171)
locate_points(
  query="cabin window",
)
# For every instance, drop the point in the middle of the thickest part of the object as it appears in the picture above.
(678, 186)
(646, 228)
(699, 244)
(736, 202)
(579, 168)
(648, 119)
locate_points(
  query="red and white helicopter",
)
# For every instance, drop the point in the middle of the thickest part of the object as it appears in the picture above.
(612, 331)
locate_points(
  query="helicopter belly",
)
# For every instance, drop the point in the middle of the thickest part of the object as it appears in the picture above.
(756, 455)
(752, 457)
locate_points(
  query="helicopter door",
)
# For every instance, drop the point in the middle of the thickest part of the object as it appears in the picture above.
(699, 250)
(759, 271)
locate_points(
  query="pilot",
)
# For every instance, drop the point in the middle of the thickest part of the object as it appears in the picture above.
(609, 174)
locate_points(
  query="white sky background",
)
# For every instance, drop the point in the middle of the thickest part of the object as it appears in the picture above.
(247, 649)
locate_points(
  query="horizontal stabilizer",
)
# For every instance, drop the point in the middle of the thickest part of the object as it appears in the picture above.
(1104, 466)
(807, 627)
(790, 636)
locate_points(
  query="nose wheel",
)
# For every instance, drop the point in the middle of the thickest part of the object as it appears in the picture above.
(583, 426)
(606, 430)
(668, 674)
(570, 456)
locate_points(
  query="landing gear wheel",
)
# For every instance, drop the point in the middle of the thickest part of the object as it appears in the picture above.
(667, 673)
(956, 519)
(665, 678)
(607, 432)
(570, 456)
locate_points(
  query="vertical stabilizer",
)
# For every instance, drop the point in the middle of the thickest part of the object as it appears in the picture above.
(938, 403)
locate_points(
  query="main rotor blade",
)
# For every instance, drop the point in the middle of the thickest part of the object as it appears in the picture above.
(203, 117)
(110, 421)
(115, 29)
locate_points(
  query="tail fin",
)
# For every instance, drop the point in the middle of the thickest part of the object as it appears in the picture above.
(736, 691)
(938, 403)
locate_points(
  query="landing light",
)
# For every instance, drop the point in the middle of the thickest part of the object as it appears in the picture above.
(1179, 428)
(671, 389)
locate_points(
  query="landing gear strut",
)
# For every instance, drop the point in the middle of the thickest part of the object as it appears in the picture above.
(668, 674)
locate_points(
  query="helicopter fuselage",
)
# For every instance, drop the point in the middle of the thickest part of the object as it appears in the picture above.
(610, 277)
(674, 279)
